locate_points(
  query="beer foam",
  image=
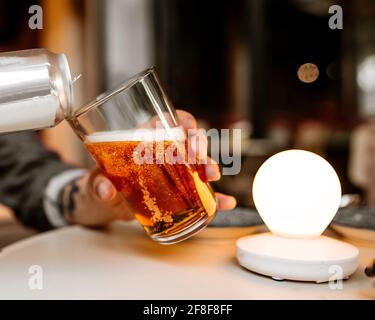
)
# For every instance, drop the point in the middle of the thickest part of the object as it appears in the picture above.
(144, 135)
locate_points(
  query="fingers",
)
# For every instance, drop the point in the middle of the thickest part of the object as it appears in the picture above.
(212, 170)
(102, 187)
(186, 119)
(197, 146)
(122, 211)
(225, 202)
(106, 193)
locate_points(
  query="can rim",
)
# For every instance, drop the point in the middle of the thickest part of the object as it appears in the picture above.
(66, 84)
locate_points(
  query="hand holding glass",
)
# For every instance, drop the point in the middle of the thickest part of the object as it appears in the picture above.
(134, 135)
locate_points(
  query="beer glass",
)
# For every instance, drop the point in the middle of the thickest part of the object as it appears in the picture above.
(133, 134)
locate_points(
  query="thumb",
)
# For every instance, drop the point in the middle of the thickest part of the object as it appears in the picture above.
(103, 188)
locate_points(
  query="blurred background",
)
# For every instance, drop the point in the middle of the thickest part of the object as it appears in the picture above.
(273, 68)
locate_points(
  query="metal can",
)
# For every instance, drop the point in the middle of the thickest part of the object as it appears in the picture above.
(35, 90)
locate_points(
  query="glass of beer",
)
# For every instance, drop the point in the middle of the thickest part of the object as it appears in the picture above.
(134, 136)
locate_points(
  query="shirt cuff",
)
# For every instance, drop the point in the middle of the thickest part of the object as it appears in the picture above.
(51, 194)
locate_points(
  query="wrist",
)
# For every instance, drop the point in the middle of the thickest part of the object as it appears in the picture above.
(67, 201)
(53, 195)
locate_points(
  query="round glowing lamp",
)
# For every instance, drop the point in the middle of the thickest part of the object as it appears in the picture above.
(297, 193)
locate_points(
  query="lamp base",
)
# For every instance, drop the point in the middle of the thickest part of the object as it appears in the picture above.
(319, 259)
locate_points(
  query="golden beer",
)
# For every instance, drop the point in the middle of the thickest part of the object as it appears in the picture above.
(166, 198)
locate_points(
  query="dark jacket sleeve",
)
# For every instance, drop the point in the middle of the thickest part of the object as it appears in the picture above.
(25, 170)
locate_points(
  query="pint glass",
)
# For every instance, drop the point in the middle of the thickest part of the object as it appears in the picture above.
(133, 134)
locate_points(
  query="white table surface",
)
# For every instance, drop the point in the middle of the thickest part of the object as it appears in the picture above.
(122, 263)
